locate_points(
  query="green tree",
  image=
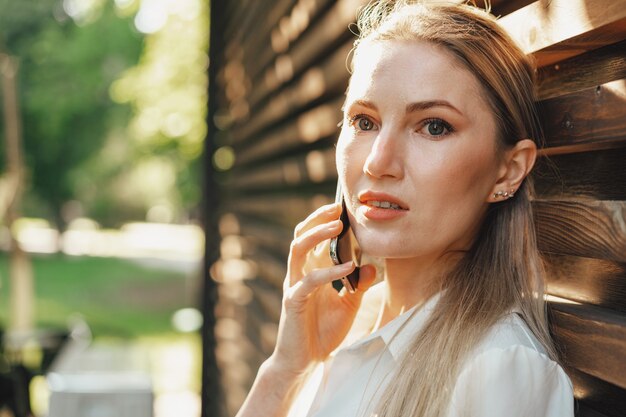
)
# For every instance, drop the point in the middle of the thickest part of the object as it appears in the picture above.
(66, 70)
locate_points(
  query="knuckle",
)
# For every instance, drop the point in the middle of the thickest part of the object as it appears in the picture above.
(297, 231)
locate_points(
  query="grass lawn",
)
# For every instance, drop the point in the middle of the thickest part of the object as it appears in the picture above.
(117, 297)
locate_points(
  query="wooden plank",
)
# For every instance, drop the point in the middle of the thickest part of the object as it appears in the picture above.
(559, 29)
(313, 167)
(268, 298)
(593, 229)
(584, 71)
(285, 30)
(586, 411)
(316, 124)
(504, 7)
(595, 115)
(596, 175)
(259, 39)
(330, 77)
(593, 340)
(587, 280)
(271, 237)
(331, 30)
(597, 395)
(285, 210)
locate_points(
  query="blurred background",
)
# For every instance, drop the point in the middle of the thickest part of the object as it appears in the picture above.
(103, 122)
(119, 145)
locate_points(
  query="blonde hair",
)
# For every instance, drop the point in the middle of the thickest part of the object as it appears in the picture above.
(502, 270)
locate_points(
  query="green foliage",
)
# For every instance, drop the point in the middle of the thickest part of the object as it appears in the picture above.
(111, 117)
(64, 79)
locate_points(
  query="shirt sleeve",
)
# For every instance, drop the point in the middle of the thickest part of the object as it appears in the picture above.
(514, 382)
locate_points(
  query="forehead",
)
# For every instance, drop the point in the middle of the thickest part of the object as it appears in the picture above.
(410, 71)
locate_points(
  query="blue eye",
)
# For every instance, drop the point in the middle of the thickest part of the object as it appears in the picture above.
(437, 127)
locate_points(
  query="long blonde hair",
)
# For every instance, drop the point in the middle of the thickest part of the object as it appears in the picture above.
(502, 269)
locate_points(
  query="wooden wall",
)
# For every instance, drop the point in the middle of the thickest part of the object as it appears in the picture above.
(279, 77)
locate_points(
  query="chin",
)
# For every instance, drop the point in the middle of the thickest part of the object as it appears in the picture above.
(377, 246)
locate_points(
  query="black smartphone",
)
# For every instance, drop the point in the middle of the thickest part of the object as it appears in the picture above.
(344, 247)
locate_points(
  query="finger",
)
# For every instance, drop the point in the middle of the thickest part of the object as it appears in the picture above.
(318, 278)
(367, 277)
(323, 214)
(302, 245)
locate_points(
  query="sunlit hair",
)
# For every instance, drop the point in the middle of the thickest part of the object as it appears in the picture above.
(502, 270)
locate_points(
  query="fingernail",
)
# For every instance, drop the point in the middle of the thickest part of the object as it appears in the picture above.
(335, 224)
(347, 265)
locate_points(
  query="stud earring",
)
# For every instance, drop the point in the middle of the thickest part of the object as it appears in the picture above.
(504, 194)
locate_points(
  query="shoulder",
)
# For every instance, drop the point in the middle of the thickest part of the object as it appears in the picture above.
(510, 374)
(511, 330)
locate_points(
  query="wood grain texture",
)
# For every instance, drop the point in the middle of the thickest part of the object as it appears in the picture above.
(585, 411)
(327, 77)
(558, 29)
(594, 229)
(595, 115)
(593, 340)
(588, 70)
(315, 166)
(316, 124)
(594, 175)
(330, 31)
(587, 280)
(285, 210)
(596, 395)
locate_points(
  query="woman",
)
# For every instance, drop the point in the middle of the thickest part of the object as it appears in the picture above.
(438, 137)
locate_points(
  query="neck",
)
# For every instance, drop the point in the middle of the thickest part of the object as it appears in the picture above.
(411, 282)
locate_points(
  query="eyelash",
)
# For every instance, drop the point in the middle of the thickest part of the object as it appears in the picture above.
(446, 125)
(357, 117)
(449, 129)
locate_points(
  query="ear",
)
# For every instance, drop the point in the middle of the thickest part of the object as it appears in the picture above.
(516, 164)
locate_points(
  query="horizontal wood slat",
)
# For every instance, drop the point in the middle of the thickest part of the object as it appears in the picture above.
(257, 43)
(596, 395)
(268, 299)
(331, 29)
(591, 116)
(286, 210)
(584, 71)
(592, 229)
(313, 167)
(559, 29)
(287, 30)
(317, 123)
(593, 340)
(597, 175)
(587, 280)
(323, 79)
(584, 411)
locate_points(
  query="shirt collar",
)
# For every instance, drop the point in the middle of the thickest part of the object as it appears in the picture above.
(399, 332)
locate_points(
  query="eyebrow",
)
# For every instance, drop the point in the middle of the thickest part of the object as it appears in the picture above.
(412, 107)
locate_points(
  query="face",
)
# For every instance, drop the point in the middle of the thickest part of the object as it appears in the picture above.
(417, 152)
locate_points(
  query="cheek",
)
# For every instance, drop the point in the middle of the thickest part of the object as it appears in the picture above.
(348, 158)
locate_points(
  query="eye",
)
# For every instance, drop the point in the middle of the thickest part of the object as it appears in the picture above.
(436, 127)
(362, 122)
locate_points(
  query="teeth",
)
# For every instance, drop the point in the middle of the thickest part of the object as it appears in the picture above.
(383, 204)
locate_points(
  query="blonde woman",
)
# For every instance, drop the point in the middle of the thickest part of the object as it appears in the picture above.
(439, 135)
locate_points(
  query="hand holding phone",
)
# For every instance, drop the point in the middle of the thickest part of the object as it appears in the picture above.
(344, 247)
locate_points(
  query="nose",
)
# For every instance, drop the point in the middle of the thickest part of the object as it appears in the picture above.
(385, 157)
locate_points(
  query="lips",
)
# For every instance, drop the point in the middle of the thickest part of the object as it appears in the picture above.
(378, 207)
(382, 200)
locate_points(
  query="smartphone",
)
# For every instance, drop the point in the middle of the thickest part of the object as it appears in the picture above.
(344, 247)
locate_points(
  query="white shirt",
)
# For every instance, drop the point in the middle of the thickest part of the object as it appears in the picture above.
(508, 374)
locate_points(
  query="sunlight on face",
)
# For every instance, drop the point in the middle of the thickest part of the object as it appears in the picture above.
(417, 151)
